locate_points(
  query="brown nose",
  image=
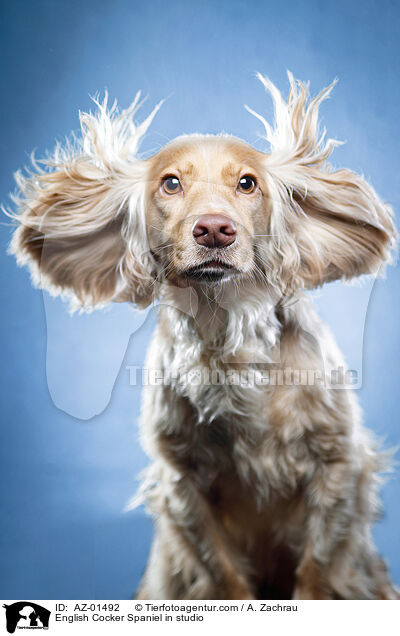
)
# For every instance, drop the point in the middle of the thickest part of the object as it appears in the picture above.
(214, 230)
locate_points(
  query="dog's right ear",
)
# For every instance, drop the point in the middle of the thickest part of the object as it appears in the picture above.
(81, 218)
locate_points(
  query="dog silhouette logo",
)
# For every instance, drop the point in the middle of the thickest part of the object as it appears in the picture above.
(26, 615)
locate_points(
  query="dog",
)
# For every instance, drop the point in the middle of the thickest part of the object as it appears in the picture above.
(263, 488)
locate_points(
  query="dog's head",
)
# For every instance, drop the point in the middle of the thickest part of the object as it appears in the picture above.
(207, 207)
(103, 225)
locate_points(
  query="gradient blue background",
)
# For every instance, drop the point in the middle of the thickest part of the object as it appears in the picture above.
(64, 480)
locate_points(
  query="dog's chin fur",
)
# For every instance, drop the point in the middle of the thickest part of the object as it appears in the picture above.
(259, 489)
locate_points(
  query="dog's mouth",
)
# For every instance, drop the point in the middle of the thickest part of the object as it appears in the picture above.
(211, 271)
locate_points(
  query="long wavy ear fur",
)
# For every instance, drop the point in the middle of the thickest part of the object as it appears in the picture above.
(81, 218)
(325, 224)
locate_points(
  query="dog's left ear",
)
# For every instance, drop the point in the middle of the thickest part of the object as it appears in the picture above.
(81, 221)
(325, 224)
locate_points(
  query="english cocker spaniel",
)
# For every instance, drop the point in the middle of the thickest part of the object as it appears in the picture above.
(263, 482)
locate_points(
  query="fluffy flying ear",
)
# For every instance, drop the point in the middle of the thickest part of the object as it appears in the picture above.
(325, 224)
(81, 217)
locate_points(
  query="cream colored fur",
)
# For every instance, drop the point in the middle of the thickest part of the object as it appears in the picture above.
(257, 490)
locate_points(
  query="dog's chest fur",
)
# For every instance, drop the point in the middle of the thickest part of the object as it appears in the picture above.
(227, 431)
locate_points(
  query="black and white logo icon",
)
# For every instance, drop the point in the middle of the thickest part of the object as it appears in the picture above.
(26, 615)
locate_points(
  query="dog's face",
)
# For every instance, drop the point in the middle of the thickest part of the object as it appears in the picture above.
(103, 225)
(207, 206)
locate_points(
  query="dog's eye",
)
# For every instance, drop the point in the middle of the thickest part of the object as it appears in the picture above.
(171, 185)
(246, 184)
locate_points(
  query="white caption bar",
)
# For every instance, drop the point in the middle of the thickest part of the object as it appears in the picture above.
(169, 617)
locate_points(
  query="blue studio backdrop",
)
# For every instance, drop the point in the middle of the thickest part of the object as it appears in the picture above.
(69, 447)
